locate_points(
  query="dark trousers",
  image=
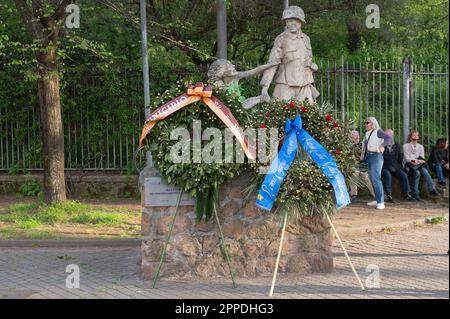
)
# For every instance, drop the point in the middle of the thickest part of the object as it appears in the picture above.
(400, 174)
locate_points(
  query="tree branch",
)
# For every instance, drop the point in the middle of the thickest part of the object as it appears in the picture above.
(32, 26)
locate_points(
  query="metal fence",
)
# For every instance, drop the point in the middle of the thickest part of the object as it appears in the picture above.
(102, 120)
(402, 97)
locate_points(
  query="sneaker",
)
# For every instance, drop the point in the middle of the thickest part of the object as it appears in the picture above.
(354, 198)
(380, 206)
(434, 193)
(373, 203)
(442, 183)
(417, 197)
(389, 198)
(408, 197)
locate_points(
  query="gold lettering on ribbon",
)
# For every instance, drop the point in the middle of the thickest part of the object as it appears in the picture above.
(194, 94)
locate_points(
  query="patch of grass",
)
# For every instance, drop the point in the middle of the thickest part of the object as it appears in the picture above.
(386, 229)
(12, 232)
(436, 220)
(29, 216)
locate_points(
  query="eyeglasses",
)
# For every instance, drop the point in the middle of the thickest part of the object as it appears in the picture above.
(415, 139)
(367, 122)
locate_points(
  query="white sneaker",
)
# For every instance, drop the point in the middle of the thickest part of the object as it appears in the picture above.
(373, 203)
(380, 206)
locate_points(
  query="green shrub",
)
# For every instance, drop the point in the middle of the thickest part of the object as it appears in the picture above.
(30, 188)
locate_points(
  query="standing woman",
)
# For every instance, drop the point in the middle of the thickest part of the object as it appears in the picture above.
(372, 154)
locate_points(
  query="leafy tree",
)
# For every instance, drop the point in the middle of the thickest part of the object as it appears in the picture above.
(43, 21)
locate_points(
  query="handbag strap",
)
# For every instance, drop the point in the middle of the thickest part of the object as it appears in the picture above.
(366, 145)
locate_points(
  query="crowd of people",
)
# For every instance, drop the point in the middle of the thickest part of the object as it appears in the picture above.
(382, 158)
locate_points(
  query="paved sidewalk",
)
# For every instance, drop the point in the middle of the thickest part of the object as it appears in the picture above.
(412, 264)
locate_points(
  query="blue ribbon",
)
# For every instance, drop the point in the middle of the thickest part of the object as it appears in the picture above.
(280, 166)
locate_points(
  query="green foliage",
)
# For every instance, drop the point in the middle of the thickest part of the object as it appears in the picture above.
(305, 190)
(201, 180)
(14, 169)
(30, 188)
(100, 63)
(436, 220)
(28, 216)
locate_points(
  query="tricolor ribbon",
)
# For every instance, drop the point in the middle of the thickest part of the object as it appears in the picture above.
(280, 166)
(194, 94)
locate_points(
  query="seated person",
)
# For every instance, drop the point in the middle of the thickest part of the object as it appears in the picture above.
(393, 166)
(414, 159)
(438, 161)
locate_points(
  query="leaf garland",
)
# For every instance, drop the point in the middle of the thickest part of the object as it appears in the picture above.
(201, 180)
(305, 190)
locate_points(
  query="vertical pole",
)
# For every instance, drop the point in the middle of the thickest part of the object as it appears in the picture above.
(342, 89)
(221, 30)
(145, 68)
(406, 95)
(286, 4)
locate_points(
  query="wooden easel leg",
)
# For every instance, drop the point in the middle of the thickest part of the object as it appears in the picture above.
(166, 243)
(225, 250)
(345, 253)
(277, 263)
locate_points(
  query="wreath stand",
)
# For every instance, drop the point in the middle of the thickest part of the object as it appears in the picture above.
(277, 263)
(166, 243)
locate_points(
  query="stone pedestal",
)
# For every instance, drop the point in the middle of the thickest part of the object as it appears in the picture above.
(252, 237)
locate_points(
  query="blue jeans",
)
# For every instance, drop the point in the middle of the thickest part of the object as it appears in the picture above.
(439, 169)
(416, 173)
(401, 175)
(374, 166)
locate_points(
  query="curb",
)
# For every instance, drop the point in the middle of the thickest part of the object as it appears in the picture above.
(384, 228)
(70, 243)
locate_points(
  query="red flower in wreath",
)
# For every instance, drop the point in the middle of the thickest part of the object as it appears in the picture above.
(328, 118)
(262, 126)
(338, 152)
(267, 116)
(292, 104)
(303, 109)
(335, 125)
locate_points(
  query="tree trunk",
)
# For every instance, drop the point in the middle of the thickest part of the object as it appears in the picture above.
(52, 133)
(353, 30)
(354, 36)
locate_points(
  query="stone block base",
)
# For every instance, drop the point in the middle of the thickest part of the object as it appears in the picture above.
(252, 237)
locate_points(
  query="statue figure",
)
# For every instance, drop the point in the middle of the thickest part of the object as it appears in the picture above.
(223, 73)
(294, 76)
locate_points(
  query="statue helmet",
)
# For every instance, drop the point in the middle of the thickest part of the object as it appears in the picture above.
(294, 12)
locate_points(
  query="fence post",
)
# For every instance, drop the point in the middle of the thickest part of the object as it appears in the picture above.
(406, 96)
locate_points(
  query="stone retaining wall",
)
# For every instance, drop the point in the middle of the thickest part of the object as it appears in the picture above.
(252, 237)
(88, 185)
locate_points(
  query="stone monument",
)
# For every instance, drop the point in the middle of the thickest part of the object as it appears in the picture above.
(294, 76)
(251, 235)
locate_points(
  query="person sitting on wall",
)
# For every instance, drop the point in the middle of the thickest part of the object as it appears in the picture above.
(414, 159)
(438, 161)
(362, 169)
(393, 166)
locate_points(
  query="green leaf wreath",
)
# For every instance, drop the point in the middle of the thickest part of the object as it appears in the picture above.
(201, 180)
(305, 190)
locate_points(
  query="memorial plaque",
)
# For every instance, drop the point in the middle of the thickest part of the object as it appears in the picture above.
(158, 193)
